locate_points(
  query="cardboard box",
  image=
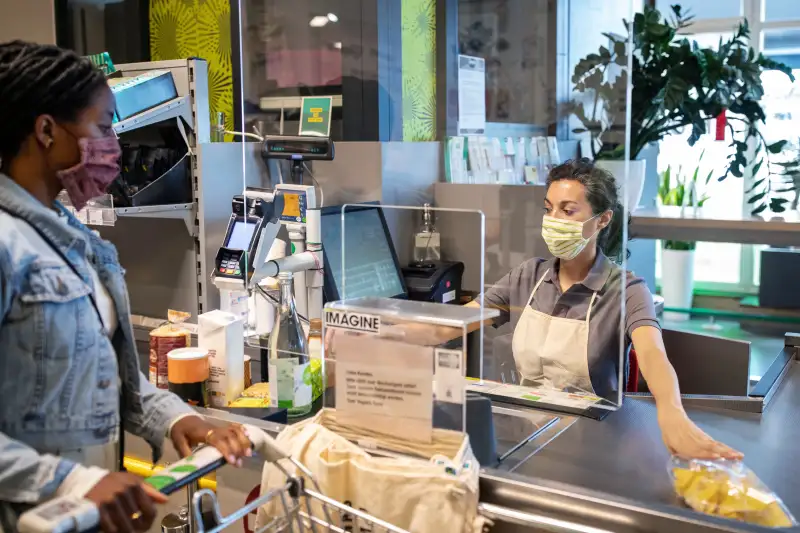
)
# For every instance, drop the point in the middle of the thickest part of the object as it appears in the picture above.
(222, 334)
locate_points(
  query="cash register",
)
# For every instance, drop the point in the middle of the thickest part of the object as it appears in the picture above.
(434, 281)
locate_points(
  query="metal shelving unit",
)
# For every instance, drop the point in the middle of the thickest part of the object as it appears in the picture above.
(164, 258)
(185, 212)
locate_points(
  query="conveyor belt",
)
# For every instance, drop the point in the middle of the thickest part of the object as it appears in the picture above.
(624, 455)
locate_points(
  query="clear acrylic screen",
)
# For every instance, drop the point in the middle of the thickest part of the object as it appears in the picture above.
(493, 225)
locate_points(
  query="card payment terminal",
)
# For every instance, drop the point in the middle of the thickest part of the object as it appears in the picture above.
(252, 212)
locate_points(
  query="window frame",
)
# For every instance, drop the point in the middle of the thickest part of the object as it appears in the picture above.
(754, 11)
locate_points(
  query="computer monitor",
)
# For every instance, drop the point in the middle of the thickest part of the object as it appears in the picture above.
(371, 265)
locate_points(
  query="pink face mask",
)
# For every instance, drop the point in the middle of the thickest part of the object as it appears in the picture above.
(91, 177)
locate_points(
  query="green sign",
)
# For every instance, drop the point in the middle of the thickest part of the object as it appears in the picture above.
(315, 116)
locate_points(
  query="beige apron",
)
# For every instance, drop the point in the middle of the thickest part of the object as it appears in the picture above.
(550, 350)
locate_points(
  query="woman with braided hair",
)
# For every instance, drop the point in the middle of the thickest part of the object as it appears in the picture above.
(69, 371)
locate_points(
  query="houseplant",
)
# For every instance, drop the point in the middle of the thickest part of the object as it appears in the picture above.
(677, 257)
(676, 84)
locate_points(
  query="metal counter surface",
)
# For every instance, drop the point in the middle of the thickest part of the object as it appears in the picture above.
(623, 455)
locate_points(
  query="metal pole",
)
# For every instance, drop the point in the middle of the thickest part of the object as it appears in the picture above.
(191, 488)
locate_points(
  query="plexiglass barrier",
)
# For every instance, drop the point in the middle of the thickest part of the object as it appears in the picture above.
(561, 335)
(399, 333)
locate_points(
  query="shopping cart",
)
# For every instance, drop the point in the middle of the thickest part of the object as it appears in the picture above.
(301, 508)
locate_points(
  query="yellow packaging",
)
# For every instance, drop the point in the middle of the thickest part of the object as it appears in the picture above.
(250, 402)
(257, 390)
(728, 489)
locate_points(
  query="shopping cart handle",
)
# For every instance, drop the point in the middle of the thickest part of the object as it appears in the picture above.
(68, 514)
(65, 514)
(207, 459)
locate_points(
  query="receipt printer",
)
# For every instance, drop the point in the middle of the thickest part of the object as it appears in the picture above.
(438, 281)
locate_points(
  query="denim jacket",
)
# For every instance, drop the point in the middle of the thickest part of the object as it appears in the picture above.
(59, 371)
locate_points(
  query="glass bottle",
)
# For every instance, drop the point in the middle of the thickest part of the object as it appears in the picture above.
(290, 381)
(315, 354)
(266, 308)
(427, 241)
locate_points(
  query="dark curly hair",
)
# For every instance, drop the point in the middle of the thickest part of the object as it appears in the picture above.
(40, 79)
(601, 193)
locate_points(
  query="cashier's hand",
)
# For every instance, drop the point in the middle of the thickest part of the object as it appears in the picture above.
(684, 439)
(230, 440)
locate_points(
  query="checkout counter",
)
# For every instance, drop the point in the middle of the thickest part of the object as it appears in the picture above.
(556, 470)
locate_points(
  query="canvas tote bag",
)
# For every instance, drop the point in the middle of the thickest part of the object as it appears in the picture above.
(434, 495)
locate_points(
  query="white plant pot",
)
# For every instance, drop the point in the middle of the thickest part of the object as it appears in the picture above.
(677, 281)
(635, 179)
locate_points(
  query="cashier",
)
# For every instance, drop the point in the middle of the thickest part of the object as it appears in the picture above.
(566, 310)
(69, 371)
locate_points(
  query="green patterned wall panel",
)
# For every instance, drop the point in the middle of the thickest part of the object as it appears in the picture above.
(419, 69)
(197, 28)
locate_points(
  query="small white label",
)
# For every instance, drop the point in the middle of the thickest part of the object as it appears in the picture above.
(531, 175)
(448, 377)
(344, 320)
(95, 217)
(81, 216)
(448, 297)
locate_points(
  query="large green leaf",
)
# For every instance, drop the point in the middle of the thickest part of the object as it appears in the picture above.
(677, 84)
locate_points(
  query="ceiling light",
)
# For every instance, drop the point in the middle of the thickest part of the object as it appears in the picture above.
(337, 46)
(318, 22)
(332, 17)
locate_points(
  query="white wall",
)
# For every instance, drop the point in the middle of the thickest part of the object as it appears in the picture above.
(29, 20)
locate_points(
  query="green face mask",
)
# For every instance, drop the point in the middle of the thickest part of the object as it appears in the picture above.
(564, 238)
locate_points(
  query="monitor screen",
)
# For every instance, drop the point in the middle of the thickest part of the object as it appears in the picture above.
(371, 269)
(241, 235)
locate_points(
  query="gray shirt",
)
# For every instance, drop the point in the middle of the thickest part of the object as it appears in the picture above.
(511, 293)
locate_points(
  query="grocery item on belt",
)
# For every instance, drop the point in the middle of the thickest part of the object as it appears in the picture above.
(255, 396)
(250, 403)
(728, 489)
(248, 375)
(257, 390)
(188, 372)
(222, 335)
(163, 340)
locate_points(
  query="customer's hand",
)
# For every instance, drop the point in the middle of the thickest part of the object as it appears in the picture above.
(230, 440)
(684, 439)
(125, 503)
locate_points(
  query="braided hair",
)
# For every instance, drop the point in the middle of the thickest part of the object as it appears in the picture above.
(601, 193)
(40, 79)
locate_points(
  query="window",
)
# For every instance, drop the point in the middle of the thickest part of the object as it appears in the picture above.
(775, 26)
(781, 10)
(717, 265)
(703, 9)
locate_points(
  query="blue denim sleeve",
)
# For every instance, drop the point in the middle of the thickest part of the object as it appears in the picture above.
(160, 408)
(25, 476)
